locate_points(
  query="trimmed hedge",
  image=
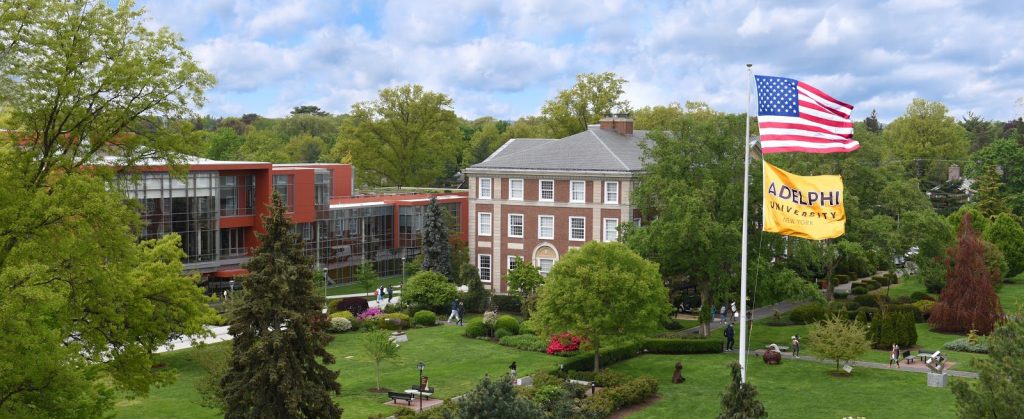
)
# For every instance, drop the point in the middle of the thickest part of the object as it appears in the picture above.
(584, 361)
(507, 303)
(354, 305)
(611, 399)
(531, 343)
(392, 321)
(509, 323)
(683, 346)
(808, 313)
(859, 290)
(839, 295)
(893, 326)
(502, 333)
(425, 318)
(918, 296)
(866, 300)
(909, 309)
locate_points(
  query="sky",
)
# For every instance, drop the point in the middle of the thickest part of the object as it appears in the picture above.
(505, 58)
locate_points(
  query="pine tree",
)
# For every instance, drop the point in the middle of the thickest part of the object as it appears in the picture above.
(497, 399)
(872, 122)
(436, 250)
(277, 366)
(968, 302)
(999, 390)
(740, 399)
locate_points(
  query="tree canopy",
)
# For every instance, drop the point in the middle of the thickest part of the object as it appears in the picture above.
(968, 302)
(85, 303)
(602, 292)
(593, 96)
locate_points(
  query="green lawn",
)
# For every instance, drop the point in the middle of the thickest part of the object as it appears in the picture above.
(793, 389)
(454, 364)
(357, 288)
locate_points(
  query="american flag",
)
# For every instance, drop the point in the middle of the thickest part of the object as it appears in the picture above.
(795, 116)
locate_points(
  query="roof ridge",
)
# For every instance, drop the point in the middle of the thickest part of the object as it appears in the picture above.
(497, 152)
(598, 138)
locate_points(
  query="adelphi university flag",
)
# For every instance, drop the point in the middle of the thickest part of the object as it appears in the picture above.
(803, 206)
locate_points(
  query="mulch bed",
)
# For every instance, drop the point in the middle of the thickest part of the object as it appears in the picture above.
(635, 408)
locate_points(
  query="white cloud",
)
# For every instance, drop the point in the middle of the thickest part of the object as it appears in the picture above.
(831, 31)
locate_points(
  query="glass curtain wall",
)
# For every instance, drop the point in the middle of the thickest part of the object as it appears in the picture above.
(188, 208)
(357, 234)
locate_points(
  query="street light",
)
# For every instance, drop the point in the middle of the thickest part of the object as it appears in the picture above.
(403, 271)
(420, 365)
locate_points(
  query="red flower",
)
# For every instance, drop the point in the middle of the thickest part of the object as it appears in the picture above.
(564, 342)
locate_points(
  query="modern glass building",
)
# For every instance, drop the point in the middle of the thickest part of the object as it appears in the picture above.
(217, 208)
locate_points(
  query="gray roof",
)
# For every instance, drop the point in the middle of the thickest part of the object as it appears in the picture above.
(592, 150)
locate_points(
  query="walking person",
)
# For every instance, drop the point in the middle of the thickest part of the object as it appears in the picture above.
(722, 312)
(455, 310)
(894, 356)
(728, 337)
(462, 312)
(391, 293)
(796, 346)
(512, 370)
(376, 295)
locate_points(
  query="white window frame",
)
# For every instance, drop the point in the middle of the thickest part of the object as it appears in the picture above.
(480, 188)
(512, 189)
(522, 225)
(511, 262)
(540, 227)
(540, 265)
(607, 193)
(480, 269)
(584, 229)
(572, 190)
(480, 224)
(604, 226)
(540, 190)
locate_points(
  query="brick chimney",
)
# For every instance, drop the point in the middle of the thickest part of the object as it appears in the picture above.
(620, 123)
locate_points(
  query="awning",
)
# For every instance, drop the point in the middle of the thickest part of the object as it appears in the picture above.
(230, 273)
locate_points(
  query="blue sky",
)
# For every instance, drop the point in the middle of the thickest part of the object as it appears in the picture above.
(505, 58)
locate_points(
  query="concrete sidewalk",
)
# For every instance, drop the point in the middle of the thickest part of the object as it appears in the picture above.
(757, 314)
(916, 367)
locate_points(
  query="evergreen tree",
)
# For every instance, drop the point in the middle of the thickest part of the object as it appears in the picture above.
(436, 251)
(496, 399)
(740, 400)
(999, 390)
(277, 367)
(872, 122)
(968, 302)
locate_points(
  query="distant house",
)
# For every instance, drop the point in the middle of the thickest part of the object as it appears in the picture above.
(538, 198)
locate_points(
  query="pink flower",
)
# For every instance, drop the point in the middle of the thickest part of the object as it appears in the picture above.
(368, 314)
(564, 342)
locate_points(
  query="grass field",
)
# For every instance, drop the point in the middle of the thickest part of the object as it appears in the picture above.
(793, 389)
(454, 364)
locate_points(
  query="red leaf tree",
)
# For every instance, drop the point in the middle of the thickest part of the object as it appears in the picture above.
(968, 302)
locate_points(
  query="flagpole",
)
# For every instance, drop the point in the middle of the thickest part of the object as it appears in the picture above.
(743, 244)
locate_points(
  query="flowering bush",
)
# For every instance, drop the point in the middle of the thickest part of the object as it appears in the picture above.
(339, 325)
(369, 314)
(490, 317)
(564, 342)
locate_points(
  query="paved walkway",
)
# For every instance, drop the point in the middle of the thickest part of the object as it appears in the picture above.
(917, 367)
(758, 314)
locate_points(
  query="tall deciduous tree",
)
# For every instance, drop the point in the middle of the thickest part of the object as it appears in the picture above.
(593, 96)
(999, 390)
(602, 292)
(1007, 233)
(740, 400)
(927, 138)
(277, 366)
(436, 249)
(367, 276)
(404, 138)
(525, 280)
(85, 303)
(968, 302)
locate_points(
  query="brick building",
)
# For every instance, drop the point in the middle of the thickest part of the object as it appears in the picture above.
(217, 208)
(539, 198)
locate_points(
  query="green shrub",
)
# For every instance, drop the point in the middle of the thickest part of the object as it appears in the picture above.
(509, 323)
(507, 303)
(392, 321)
(840, 279)
(893, 278)
(339, 325)
(425, 318)
(904, 299)
(909, 309)
(871, 285)
(584, 361)
(808, 313)
(345, 314)
(354, 305)
(924, 307)
(980, 345)
(866, 300)
(859, 290)
(429, 290)
(865, 314)
(502, 332)
(839, 295)
(617, 397)
(881, 280)
(526, 327)
(918, 296)
(683, 346)
(531, 343)
(475, 328)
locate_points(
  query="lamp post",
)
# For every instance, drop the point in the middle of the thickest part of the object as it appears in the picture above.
(403, 271)
(420, 365)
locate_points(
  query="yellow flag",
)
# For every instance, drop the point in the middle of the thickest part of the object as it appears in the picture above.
(803, 206)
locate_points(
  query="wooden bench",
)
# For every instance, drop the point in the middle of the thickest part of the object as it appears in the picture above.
(395, 397)
(415, 391)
